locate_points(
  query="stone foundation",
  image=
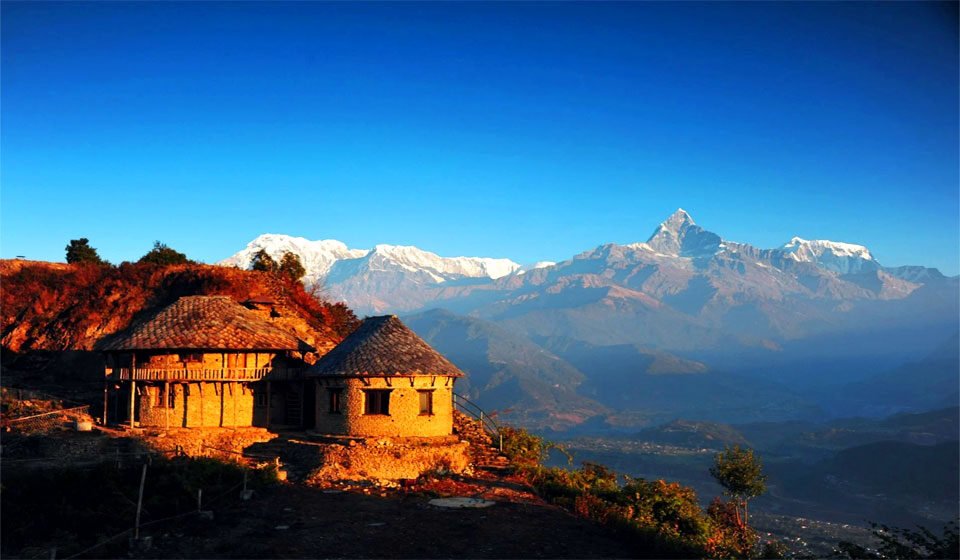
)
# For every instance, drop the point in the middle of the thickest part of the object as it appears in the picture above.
(211, 442)
(389, 459)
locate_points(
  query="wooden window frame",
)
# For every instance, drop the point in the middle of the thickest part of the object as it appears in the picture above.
(376, 402)
(429, 394)
(335, 400)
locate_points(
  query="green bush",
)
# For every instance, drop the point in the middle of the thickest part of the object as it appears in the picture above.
(522, 448)
(163, 255)
(664, 516)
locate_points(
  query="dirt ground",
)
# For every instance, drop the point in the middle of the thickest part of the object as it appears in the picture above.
(345, 520)
(294, 521)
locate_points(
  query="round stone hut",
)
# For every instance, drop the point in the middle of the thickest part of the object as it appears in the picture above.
(384, 381)
(207, 361)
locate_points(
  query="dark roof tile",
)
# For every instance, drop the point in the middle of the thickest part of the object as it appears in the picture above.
(203, 323)
(384, 346)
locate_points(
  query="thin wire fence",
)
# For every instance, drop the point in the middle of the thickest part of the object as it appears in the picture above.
(139, 457)
(47, 421)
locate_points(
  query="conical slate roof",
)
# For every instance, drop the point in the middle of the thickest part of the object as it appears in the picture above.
(384, 346)
(203, 323)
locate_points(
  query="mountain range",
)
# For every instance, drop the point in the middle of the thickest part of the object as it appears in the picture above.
(719, 319)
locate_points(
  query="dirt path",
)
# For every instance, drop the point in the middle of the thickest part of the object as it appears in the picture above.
(291, 521)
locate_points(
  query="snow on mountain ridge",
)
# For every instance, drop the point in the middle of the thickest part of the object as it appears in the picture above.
(680, 236)
(798, 245)
(843, 258)
(417, 259)
(319, 258)
(539, 264)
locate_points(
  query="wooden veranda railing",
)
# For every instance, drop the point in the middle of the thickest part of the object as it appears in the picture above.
(205, 374)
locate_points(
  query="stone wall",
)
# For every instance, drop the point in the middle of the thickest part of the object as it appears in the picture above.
(404, 418)
(197, 405)
(389, 458)
(217, 405)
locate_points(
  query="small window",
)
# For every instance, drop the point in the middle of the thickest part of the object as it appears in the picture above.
(261, 401)
(426, 403)
(159, 401)
(171, 396)
(377, 401)
(191, 358)
(335, 400)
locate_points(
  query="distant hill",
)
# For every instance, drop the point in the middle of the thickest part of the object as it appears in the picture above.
(896, 468)
(507, 372)
(686, 433)
(931, 382)
(808, 439)
(628, 377)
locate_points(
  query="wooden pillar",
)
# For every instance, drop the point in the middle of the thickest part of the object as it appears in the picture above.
(166, 401)
(303, 403)
(269, 405)
(106, 382)
(133, 388)
(233, 397)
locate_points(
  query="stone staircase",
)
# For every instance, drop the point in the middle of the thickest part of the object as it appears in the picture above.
(296, 457)
(483, 451)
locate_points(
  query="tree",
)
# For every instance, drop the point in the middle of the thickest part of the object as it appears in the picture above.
(163, 255)
(263, 262)
(291, 266)
(80, 251)
(740, 472)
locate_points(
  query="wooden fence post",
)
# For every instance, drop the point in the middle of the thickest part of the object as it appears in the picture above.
(143, 479)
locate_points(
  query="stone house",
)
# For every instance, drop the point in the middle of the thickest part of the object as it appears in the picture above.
(207, 361)
(384, 381)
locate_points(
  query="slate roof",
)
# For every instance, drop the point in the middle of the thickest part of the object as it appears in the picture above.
(384, 346)
(204, 323)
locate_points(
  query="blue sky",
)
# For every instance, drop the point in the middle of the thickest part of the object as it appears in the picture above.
(528, 131)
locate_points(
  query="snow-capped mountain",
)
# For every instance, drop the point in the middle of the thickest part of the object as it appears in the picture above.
(317, 256)
(680, 236)
(842, 258)
(685, 295)
(691, 279)
(352, 273)
(535, 266)
(441, 269)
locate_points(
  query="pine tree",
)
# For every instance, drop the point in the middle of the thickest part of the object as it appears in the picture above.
(80, 251)
(291, 266)
(263, 262)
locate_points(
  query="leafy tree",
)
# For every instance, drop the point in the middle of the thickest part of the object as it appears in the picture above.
(340, 318)
(80, 251)
(291, 266)
(523, 448)
(729, 538)
(669, 507)
(740, 472)
(163, 255)
(263, 262)
(906, 543)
